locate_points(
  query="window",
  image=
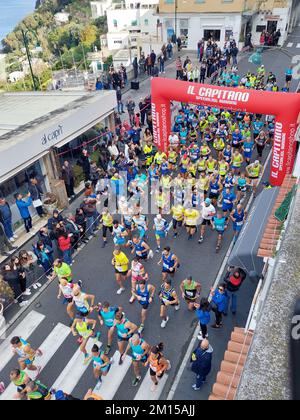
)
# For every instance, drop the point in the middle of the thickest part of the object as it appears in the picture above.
(200, 1)
(115, 23)
(146, 22)
(260, 28)
(214, 34)
(169, 1)
(134, 23)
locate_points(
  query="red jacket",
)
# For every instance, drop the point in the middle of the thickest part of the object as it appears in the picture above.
(64, 243)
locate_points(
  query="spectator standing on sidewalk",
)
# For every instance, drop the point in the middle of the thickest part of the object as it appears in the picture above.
(119, 100)
(12, 278)
(36, 193)
(23, 206)
(68, 177)
(170, 50)
(179, 69)
(6, 219)
(65, 245)
(234, 281)
(5, 245)
(130, 109)
(84, 162)
(153, 59)
(201, 363)
(220, 303)
(135, 66)
(161, 61)
(203, 69)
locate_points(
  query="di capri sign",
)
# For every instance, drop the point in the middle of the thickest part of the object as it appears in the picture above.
(53, 136)
(284, 106)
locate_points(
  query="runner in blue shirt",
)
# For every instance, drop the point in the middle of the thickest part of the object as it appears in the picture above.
(229, 198)
(219, 223)
(238, 218)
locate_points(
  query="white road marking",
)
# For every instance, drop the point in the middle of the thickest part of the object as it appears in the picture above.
(145, 393)
(24, 330)
(298, 46)
(114, 378)
(49, 347)
(70, 376)
(290, 44)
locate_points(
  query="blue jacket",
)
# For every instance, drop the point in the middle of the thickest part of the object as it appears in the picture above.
(220, 300)
(203, 316)
(201, 361)
(23, 207)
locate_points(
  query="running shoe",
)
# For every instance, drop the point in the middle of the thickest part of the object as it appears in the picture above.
(27, 292)
(158, 250)
(164, 322)
(121, 360)
(141, 329)
(121, 290)
(35, 286)
(99, 384)
(104, 244)
(86, 359)
(177, 307)
(201, 239)
(107, 350)
(132, 299)
(38, 284)
(136, 381)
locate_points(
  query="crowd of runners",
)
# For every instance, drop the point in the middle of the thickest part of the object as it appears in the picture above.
(215, 159)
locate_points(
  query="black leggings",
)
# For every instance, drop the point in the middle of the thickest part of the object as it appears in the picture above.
(105, 229)
(203, 330)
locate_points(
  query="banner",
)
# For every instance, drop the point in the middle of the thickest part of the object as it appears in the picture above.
(284, 106)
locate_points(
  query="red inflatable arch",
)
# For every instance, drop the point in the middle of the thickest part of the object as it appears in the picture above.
(284, 106)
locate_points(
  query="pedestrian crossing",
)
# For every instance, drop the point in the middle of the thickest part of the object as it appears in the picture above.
(293, 45)
(71, 375)
(24, 329)
(49, 347)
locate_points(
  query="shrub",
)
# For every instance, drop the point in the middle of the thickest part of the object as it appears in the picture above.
(78, 175)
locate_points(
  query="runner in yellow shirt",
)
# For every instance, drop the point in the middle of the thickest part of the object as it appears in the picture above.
(107, 224)
(178, 217)
(191, 217)
(121, 264)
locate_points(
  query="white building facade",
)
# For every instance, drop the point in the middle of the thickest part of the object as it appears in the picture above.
(194, 27)
(130, 19)
(99, 8)
(284, 18)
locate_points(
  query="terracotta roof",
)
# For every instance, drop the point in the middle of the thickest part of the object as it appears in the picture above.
(232, 366)
(273, 229)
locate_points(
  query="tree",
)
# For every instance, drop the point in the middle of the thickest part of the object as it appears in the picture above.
(88, 35)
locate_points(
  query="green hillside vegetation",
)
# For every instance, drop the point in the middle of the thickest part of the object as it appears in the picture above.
(60, 43)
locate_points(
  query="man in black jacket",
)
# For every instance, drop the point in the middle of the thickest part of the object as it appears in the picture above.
(36, 193)
(68, 177)
(84, 162)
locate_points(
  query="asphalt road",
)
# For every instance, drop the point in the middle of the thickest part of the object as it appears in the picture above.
(93, 267)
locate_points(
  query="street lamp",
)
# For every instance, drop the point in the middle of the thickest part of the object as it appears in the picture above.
(176, 9)
(26, 44)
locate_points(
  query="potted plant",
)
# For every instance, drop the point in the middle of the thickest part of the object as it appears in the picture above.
(50, 203)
